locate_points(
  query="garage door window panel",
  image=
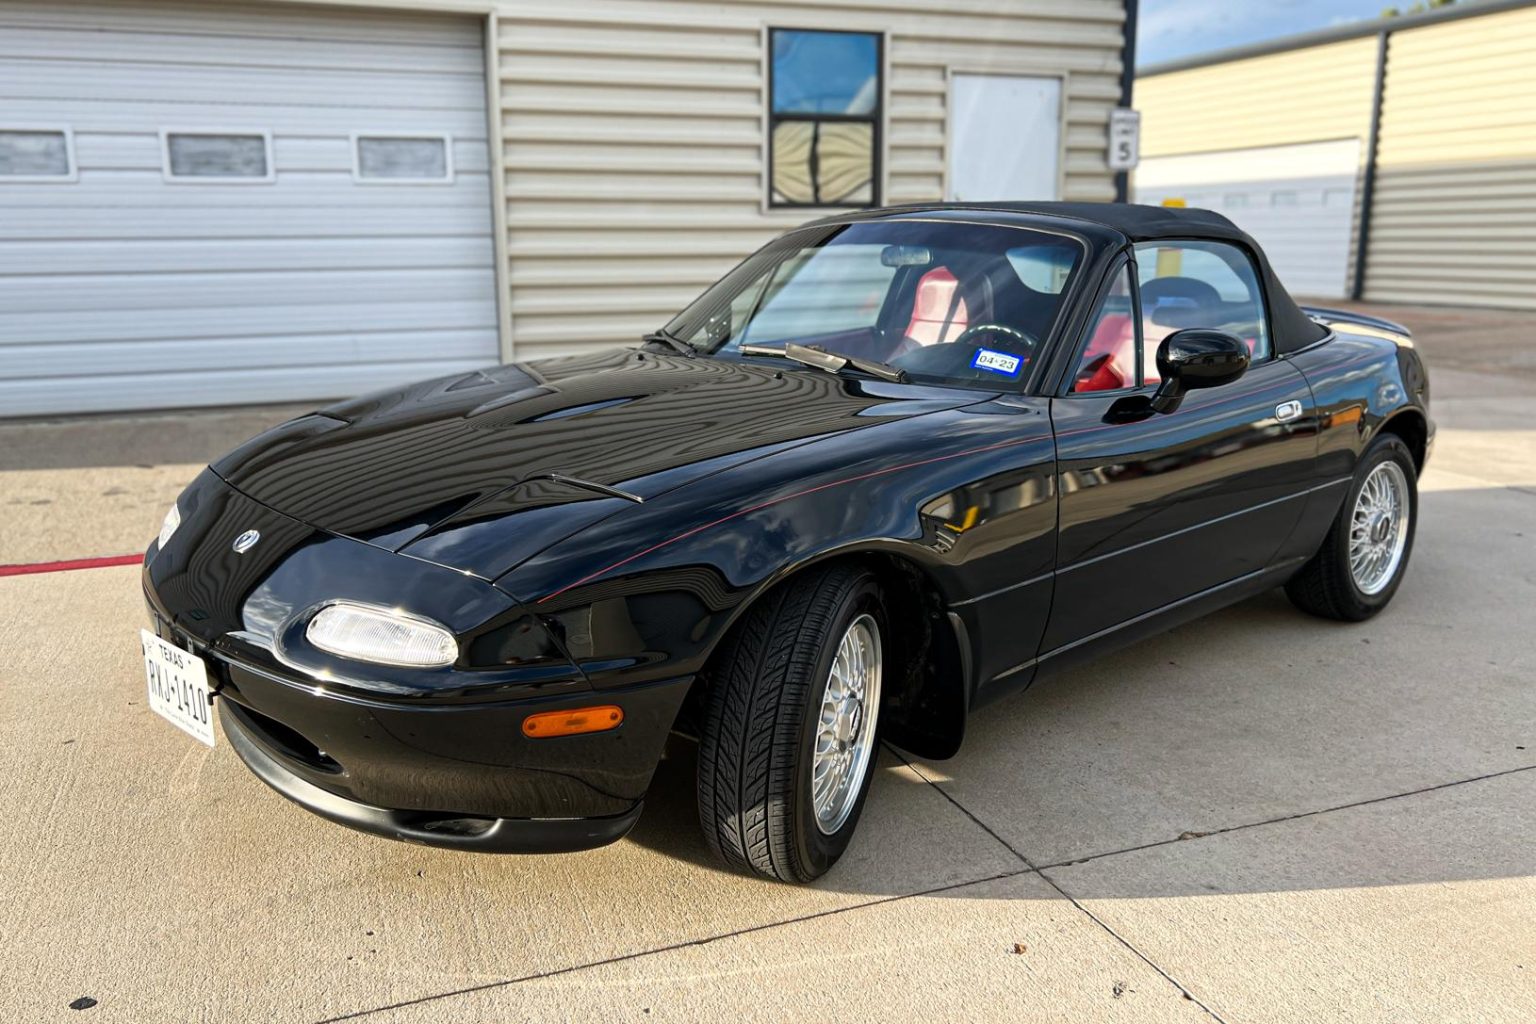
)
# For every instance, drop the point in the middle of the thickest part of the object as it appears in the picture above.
(824, 117)
(220, 157)
(34, 153)
(400, 158)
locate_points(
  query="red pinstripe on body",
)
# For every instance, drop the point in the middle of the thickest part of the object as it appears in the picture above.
(774, 501)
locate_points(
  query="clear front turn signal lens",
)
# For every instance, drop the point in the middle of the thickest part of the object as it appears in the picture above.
(381, 635)
(168, 527)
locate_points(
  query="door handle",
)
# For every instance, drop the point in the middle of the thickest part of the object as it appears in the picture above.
(1287, 411)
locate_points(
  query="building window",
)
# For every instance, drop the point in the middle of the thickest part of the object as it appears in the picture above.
(402, 158)
(37, 154)
(222, 157)
(824, 118)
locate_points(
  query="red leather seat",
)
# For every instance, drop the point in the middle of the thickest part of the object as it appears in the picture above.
(938, 313)
(1114, 337)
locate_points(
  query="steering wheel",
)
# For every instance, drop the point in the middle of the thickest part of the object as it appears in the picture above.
(1025, 341)
(954, 358)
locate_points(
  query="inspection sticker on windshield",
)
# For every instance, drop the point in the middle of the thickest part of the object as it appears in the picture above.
(996, 362)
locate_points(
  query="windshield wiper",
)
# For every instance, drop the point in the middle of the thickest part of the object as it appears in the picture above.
(672, 341)
(833, 362)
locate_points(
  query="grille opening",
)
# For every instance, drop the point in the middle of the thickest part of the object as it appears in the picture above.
(284, 740)
(457, 825)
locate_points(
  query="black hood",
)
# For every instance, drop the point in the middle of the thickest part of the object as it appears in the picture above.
(476, 471)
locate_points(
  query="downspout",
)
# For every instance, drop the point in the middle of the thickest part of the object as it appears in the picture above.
(1368, 185)
(496, 143)
(1127, 86)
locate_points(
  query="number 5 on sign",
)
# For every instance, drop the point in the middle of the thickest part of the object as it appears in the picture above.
(1124, 139)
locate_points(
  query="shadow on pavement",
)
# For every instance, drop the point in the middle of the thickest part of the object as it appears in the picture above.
(1415, 732)
(196, 436)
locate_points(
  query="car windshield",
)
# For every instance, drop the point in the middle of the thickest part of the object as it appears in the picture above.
(946, 302)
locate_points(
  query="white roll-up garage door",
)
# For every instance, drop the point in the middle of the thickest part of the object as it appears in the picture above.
(1298, 202)
(209, 203)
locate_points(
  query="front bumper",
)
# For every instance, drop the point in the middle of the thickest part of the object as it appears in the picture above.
(454, 775)
(453, 831)
(431, 755)
(460, 776)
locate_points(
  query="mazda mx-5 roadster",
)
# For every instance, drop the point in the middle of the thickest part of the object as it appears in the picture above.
(895, 465)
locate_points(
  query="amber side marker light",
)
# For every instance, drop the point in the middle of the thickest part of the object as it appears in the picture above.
(570, 723)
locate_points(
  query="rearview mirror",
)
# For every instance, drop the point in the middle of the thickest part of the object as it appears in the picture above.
(906, 256)
(1196, 358)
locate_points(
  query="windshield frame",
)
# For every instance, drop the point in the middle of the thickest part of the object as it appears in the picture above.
(1027, 384)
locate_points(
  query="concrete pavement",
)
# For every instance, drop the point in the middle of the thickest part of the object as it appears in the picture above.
(1257, 817)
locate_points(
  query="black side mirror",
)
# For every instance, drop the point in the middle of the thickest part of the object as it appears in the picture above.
(1196, 358)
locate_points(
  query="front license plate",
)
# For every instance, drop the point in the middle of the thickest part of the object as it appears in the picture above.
(178, 686)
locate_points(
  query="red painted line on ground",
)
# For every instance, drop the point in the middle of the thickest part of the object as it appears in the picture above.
(27, 568)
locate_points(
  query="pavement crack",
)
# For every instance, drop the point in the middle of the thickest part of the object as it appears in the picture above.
(1122, 940)
(1191, 836)
(671, 947)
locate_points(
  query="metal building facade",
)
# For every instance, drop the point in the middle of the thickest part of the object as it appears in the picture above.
(1444, 203)
(635, 136)
(274, 268)
(1455, 213)
(609, 161)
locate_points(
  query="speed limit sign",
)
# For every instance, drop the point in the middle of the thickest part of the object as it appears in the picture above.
(1124, 139)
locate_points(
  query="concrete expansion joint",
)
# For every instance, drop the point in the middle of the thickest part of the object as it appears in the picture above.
(1076, 904)
(1043, 870)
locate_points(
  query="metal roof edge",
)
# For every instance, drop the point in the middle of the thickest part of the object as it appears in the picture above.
(1335, 34)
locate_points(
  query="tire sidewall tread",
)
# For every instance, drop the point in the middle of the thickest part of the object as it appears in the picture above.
(760, 716)
(1324, 586)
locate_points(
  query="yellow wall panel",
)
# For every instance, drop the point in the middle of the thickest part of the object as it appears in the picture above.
(1455, 212)
(1298, 96)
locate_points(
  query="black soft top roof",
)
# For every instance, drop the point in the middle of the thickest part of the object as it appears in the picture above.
(1138, 222)
(1292, 328)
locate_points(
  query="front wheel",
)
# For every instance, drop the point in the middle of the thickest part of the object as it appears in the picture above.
(1362, 560)
(790, 728)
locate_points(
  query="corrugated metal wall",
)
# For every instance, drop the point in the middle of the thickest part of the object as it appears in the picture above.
(123, 290)
(1455, 212)
(634, 136)
(1321, 93)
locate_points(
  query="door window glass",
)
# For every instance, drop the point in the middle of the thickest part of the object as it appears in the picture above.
(1109, 359)
(1199, 284)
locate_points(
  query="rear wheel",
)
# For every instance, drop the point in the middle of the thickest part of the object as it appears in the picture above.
(790, 727)
(1361, 562)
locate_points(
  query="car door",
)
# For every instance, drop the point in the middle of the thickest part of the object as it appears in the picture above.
(1158, 507)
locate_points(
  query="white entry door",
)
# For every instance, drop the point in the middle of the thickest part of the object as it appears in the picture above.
(1005, 138)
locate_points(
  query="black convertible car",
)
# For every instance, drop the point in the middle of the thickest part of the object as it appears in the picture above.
(894, 466)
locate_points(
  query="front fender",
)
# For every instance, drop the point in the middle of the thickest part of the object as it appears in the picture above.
(963, 495)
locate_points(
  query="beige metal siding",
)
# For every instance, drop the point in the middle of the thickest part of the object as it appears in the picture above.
(634, 136)
(1321, 93)
(1455, 212)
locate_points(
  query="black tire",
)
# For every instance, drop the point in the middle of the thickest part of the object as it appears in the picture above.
(1324, 586)
(760, 719)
